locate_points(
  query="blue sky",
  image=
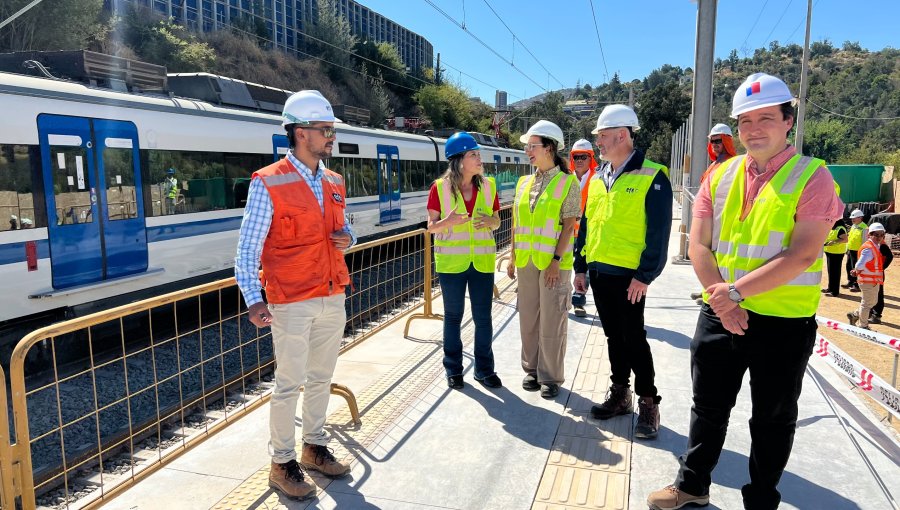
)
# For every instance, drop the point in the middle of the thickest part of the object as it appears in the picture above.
(637, 36)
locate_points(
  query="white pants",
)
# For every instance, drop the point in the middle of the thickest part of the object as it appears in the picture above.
(307, 337)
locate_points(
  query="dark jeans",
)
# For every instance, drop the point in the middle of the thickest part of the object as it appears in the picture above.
(581, 299)
(481, 292)
(852, 257)
(775, 350)
(623, 325)
(835, 263)
(878, 309)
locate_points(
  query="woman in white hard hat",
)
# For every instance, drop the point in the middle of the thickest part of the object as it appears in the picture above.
(463, 210)
(869, 271)
(545, 210)
(858, 233)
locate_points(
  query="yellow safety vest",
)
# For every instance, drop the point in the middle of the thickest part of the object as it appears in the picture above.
(537, 233)
(855, 236)
(742, 246)
(173, 187)
(617, 218)
(463, 245)
(838, 248)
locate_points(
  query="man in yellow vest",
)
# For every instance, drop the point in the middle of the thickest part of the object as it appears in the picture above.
(171, 190)
(858, 233)
(582, 162)
(759, 224)
(835, 248)
(623, 241)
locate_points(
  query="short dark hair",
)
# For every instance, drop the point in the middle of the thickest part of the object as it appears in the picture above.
(290, 135)
(787, 110)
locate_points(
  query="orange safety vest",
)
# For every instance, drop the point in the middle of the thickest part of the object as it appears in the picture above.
(299, 260)
(584, 196)
(873, 270)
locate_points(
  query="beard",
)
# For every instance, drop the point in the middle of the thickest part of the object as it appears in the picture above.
(324, 152)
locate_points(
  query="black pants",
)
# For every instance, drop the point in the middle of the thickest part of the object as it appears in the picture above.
(776, 351)
(878, 309)
(852, 257)
(623, 324)
(835, 263)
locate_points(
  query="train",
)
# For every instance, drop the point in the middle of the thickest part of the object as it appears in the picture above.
(89, 219)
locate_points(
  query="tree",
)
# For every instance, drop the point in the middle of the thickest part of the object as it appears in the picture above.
(827, 139)
(446, 106)
(163, 42)
(50, 25)
(379, 100)
(333, 40)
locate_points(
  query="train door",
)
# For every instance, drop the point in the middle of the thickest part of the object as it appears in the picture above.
(95, 205)
(388, 183)
(279, 147)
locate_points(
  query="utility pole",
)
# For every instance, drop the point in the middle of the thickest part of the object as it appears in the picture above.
(701, 109)
(804, 83)
(437, 71)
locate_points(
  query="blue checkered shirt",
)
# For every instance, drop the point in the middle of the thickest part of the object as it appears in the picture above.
(255, 227)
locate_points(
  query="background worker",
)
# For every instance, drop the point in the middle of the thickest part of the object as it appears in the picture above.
(295, 227)
(759, 223)
(170, 190)
(623, 242)
(855, 237)
(463, 211)
(887, 256)
(545, 210)
(869, 273)
(835, 247)
(583, 163)
(720, 148)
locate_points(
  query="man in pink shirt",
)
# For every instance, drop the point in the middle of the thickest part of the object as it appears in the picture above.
(760, 221)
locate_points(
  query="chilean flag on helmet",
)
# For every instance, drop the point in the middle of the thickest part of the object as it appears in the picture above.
(754, 88)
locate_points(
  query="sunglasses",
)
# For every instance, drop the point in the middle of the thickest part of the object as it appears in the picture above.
(327, 131)
(580, 157)
(532, 146)
(716, 141)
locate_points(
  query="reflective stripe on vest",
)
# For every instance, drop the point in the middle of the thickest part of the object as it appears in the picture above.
(617, 218)
(537, 233)
(463, 245)
(742, 246)
(837, 248)
(298, 260)
(855, 236)
(873, 270)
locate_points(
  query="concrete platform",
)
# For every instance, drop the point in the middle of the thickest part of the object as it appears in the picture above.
(423, 446)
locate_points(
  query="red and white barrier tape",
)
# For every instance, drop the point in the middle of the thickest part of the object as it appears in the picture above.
(871, 384)
(872, 336)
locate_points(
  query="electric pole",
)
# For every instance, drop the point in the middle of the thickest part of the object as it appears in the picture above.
(804, 85)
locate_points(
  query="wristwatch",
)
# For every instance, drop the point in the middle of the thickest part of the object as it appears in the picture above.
(734, 295)
(556, 257)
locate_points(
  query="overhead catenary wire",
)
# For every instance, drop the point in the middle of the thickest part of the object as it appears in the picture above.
(486, 46)
(744, 44)
(777, 22)
(515, 38)
(460, 71)
(802, 21)
(597, 29)
(849, 116)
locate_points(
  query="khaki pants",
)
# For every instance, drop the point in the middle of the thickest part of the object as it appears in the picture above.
(543, 322)
(869, 298)
(307, 337)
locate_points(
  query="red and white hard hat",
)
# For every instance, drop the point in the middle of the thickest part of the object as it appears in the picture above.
(305, 107)
(759, 91)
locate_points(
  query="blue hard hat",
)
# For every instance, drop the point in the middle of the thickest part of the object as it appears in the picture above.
(459, 143)
(170, 171)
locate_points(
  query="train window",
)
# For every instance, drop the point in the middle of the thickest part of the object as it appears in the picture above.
(367, 183)
(17, 208)
(348, 148)
(72, 181)
(121, 198)
(199, 178)
(238, 170)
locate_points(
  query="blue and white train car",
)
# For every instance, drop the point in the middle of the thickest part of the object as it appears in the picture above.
(84, 215)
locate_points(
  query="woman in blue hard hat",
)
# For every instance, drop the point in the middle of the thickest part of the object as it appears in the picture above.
(463, 211)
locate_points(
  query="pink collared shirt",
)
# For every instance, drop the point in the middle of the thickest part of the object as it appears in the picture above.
(818, 201)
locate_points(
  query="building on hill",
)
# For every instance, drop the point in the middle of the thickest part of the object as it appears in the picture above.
(287, 20)
(579, 107)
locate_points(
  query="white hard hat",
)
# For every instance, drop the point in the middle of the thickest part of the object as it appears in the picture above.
(26, 221)
(582, 145)
(616, 115)
(759, 91)
(876, 227)
(856, 214)
(307, 106)
(546, 129)
(13, 217)
(720, 129)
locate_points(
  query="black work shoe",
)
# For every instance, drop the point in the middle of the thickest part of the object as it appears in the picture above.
(618, 402)
(855, 288)
(874, 319)
(851, 316)
(530, 383)
(847, 285)
(648, 419)
(549, 391)
(455, 382)
(579, 311)
(491, 381)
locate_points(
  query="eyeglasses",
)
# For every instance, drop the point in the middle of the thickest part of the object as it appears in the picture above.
(715, 141)
(580, 157)
(532, 146)
(327, 131)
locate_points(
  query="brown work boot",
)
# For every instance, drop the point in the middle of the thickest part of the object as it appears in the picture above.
(320, 458)
(288, 478)
(618, 402)
(648, 418)
(671, 498)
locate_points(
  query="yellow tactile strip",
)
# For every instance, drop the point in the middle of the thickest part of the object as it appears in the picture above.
(389, 409)
(590, 460)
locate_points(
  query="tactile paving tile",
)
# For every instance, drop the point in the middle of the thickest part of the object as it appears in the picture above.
(581, 488)
(388, 409)
(587, 453)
